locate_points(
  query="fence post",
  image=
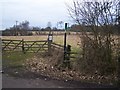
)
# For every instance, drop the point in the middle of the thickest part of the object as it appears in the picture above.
(50, 37)
(67, 57)
(68, 49)
(23, 49)
(65, 46)
(65, 51)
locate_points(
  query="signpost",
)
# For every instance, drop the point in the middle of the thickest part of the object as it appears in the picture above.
(67, 50)
(65, 35)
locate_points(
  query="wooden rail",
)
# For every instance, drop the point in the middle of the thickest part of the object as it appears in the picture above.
(57, 46)
(25, 46)
(38, 46)
(71, 55)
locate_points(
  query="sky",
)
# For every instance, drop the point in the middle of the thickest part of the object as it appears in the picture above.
(37, 12)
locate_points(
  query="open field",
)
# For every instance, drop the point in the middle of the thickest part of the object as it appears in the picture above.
(59, 39)
(19, 57)
(16, 63)
(73, 40)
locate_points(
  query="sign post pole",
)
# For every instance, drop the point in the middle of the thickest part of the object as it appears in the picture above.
(65, 35)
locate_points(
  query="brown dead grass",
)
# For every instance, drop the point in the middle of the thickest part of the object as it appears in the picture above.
(73, 40)
(28, 38)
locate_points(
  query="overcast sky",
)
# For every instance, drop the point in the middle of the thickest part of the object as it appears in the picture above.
(37, 12)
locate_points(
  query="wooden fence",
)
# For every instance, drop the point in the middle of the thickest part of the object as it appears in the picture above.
(57, 46)
(24, 46)
(37, 46)
(30, 46)
(69, 54)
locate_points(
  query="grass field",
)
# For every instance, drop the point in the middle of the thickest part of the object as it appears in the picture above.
(14, 62)
(17, 58)
(11, 59)
(72, 40)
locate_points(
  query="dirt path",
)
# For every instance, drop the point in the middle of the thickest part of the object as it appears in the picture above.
(16, 82)
(13, 82)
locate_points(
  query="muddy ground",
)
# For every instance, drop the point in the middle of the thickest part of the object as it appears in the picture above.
(14, 78)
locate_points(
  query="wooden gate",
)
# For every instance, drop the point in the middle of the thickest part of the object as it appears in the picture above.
(25, 46)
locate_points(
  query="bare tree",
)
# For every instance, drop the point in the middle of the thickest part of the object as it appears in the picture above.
(60, 23)
(99, 49)
(25, 25)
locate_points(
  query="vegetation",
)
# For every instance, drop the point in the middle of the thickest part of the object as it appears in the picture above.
(15, 59)
(98, 49)
(50, 65)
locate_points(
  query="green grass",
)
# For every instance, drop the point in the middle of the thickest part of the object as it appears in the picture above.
(14, 59)
(75, 49)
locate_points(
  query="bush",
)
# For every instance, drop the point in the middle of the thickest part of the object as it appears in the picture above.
(98, 56)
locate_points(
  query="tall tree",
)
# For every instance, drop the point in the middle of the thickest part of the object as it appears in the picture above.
(25, 25)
